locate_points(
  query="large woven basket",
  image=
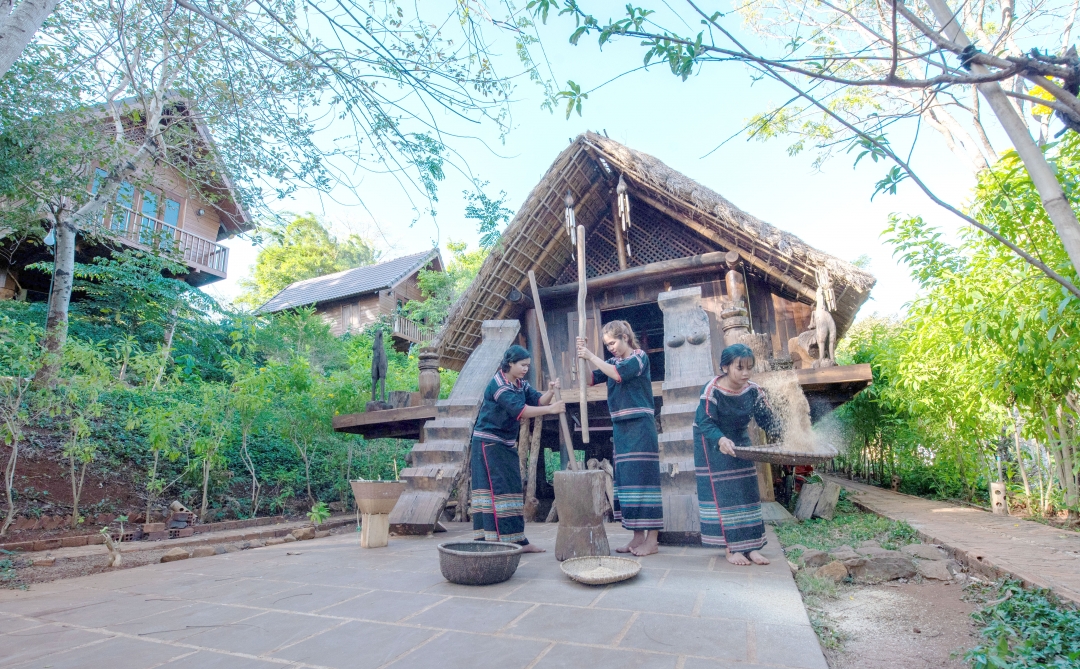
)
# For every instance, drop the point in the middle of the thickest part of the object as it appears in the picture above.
(600, 569)
(478, 562)
(778, 455)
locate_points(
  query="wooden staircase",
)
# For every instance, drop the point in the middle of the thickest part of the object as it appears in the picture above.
(439, 457)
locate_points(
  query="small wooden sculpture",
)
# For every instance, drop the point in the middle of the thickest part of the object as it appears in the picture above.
(824, 332)
(378, 366)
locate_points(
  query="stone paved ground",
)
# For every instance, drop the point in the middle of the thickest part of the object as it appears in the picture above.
(328, 603)
(994, 545)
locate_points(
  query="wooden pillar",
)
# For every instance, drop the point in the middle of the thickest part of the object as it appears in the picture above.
(536, 351)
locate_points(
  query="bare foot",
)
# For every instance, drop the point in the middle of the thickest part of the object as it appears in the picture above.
(639, 538)
(532, 548)
(647, 547)
(758, 558)
(738, 559)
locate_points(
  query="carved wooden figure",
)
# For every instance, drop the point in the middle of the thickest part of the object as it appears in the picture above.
(824, 332)
(378, 366)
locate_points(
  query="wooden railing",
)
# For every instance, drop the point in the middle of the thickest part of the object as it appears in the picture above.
(411, 330)
(151, 233)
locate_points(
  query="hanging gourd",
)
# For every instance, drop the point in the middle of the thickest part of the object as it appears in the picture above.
(571, 220)
(624, 213)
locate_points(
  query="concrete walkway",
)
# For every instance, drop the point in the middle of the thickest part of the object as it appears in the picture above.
(328, 603)
(1038, 554)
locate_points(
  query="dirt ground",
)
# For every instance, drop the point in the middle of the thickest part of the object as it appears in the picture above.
(911, 625)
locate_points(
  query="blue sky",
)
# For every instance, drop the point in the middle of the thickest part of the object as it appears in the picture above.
(679, 123)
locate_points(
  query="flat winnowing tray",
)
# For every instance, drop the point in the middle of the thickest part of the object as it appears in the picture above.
(600, 569)
(778, 455)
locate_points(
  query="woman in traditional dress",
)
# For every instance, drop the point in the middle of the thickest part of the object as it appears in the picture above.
(638, 503)
(728, 498)
(497, 500)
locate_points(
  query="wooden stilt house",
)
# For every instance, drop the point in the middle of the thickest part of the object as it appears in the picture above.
(689, 270)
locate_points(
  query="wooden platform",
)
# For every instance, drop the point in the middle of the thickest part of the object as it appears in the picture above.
(834, 385)
(389, 423)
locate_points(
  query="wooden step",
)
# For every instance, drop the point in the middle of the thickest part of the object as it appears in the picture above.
(438, 451)
(675, 417)
(455, 429)
(417, 511)
(684, 391)
(431, 477)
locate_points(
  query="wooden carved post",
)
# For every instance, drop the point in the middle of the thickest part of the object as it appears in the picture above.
(429, 376)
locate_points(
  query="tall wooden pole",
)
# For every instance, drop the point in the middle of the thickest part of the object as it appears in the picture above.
(564, 427)
(582, 367)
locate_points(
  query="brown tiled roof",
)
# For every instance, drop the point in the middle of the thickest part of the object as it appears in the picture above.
(350, 282)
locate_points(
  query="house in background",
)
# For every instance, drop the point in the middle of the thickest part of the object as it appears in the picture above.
(169, 213)
(355, 298)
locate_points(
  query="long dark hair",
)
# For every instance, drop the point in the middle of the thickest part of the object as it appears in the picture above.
(736, 352)
(513, 354)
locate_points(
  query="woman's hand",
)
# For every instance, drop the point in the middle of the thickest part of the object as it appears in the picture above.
(582, 349)
(552, 385)
(727, 446)
(557, 407)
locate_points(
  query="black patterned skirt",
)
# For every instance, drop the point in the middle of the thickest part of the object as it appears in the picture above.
(728, 499)
(498, 503)
(638, 502)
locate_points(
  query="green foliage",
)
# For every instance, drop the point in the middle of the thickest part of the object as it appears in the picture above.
(319, 513)
(442, 289)
(246, 430)
(490, 214)
(848, 527)
(1025, 628)
(301, 249)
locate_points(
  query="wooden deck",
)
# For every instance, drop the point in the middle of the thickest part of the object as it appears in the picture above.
(389, 423)
(836, 385)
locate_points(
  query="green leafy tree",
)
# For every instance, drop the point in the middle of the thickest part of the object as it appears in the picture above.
(301, 249)
(19, 359)
(442, 289)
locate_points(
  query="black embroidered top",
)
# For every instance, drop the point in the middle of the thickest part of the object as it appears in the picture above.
(501, 410)
(629, 396)
(724, 414)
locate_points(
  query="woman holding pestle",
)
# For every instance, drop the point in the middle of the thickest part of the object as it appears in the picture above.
(638, 503)
(497, 500)
(728, 497)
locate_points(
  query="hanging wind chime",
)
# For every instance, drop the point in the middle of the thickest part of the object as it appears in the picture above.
(571, 220)
(624, 213)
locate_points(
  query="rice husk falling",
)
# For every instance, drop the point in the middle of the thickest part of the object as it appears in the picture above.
(792, 411)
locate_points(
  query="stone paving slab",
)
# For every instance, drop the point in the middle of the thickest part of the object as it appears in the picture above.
(995, 546)
(329, 603)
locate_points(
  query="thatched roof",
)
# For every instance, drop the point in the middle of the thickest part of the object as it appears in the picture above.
(590, 168)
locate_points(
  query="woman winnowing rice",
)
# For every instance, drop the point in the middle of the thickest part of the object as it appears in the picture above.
(638, 502)
(728, 497)
(497, 501)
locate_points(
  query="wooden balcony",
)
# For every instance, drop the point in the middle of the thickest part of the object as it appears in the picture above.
(147, 233)
(410, 331)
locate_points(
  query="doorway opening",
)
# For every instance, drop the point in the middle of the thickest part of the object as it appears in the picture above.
(647, 321)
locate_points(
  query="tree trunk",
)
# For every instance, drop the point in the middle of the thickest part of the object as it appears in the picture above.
(1042, 175)
(245, 455)
(166, 350)
(9, 481)
(1020, 458)
(18, 27)
(205, 485)
(56, 324)
(150, 487)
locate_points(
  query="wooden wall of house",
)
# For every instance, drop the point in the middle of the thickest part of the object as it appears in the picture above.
(356, 313)
(781, 318)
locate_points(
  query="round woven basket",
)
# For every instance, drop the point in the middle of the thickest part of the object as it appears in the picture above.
(776, 454)
(600, 570)
(478, 562)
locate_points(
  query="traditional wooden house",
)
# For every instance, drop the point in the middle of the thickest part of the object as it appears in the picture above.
(688, 269)
(165, 210)
(352, 299)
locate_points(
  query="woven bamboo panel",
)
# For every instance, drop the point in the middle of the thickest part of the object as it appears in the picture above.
(653, 237)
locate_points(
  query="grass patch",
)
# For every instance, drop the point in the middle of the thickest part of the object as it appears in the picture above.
(849, 526)
(1023, 628)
